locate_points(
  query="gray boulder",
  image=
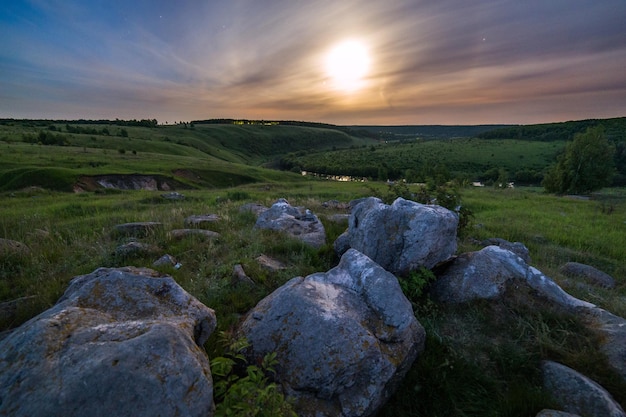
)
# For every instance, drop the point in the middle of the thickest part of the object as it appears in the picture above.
(575, 393)
(297, 222)
(588, 273)
(344, 339)
(517, 248)
(486, 274)
(120, 342)
(403, 236)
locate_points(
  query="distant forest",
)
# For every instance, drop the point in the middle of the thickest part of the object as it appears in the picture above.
(614, 129)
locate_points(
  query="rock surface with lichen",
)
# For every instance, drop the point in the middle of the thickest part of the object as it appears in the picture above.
(344, 338)
(119, 342)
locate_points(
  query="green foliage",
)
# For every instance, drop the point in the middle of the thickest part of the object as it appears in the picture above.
(416, 282)
(246, 390)
(586, 165)
(444, 194)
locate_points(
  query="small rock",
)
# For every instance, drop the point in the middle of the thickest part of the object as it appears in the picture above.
(201, 220)
(239, 276)
(297, 222)
(255, 208)
(138, 229)
(165, 260)
(590, 274)
(134, 248)
(8, 246)
(270, 264)
(184, 233)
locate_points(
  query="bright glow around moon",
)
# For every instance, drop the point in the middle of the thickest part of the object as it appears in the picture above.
(347, 64)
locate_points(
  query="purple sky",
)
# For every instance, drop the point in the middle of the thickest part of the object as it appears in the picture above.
(431, 62)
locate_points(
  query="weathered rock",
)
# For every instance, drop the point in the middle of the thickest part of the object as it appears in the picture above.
(403, 236)
(555, 413)
(134, 248)
(184, 233)
(575, 393)
(13, 247)
(239, 276)
(485, 274)
(344, 339)
(342, 243)
(297, 222)
(201, 220)
(9, 310)
(255, 208)
(588, 273)
(613, 331)
(517, 248)
(138, 229)
(120, 342)
(270, 264)
(165, 260)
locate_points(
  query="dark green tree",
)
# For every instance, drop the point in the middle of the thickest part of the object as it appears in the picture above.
(586, 164)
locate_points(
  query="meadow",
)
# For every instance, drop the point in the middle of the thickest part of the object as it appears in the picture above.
(480, 359)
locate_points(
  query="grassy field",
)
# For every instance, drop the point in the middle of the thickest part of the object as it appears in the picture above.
(480, 359)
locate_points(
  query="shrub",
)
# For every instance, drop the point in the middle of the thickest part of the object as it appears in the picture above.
(248, 393)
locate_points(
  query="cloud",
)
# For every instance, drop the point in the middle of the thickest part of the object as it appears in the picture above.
(432, 61)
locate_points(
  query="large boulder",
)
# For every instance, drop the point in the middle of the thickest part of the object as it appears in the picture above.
(297, 222)
(612, 328)
(486, 274)
(403, 236)
(344, 339)
(576, 393)
(120, 342)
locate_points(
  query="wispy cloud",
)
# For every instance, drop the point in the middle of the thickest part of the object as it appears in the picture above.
(447, 61)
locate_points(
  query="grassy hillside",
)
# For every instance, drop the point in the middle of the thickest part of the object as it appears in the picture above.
(55, 154)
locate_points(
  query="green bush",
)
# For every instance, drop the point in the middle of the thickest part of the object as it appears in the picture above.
(246, 392)
(414, 285)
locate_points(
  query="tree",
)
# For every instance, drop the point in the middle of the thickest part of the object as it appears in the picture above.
(586, 164)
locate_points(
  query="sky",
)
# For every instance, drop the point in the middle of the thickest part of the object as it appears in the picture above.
(416, 61)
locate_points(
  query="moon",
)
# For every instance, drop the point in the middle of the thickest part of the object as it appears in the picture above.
(347, 64)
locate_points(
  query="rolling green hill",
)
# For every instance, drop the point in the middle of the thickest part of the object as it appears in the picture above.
(55, 154)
